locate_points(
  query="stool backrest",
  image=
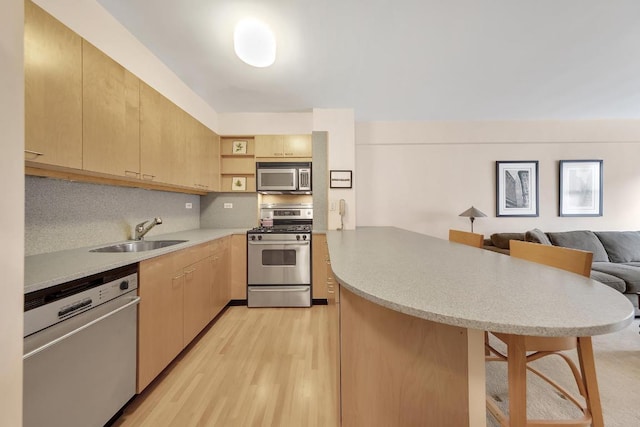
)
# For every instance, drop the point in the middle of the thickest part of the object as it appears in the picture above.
(466, 238)
(573, 260)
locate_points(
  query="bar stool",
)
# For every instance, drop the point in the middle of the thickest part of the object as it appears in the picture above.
(524, 349)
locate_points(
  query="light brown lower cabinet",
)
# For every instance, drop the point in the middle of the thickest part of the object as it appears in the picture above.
(333, 302)
(198, 289)
(180, 293)
(239, 267)
(320, 257)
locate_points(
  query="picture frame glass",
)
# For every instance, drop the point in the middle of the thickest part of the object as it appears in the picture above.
(580, 188)
(517, 188)
(239, 183)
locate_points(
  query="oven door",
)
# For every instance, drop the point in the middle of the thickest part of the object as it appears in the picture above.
(278, 262)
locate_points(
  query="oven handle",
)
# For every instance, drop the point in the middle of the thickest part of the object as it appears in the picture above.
(281, 242)
(280, 289)
(135, 301)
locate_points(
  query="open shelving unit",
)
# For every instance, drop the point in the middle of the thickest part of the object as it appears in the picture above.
(237, 164)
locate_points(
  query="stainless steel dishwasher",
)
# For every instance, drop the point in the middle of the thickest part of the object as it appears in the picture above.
(80, 350)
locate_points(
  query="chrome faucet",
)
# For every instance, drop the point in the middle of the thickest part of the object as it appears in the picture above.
(141, 230)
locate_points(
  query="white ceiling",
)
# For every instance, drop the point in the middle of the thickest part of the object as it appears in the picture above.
(406, 59)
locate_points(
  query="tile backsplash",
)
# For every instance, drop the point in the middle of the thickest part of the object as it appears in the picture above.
(65, 215)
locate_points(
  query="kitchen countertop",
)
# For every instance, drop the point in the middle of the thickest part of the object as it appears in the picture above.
(458, 285)
(49, 269)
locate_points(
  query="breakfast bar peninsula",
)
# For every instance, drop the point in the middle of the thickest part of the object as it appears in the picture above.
(413, 311)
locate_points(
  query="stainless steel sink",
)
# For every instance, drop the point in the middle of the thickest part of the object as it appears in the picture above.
(138, 246)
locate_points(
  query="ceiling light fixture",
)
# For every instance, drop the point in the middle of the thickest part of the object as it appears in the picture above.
(254, 43)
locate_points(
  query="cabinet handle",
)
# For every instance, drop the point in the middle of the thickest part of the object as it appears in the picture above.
(136, 174)
(148, 176)
(35, 153)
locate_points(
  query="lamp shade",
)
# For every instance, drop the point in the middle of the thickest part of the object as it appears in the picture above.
(472, 213)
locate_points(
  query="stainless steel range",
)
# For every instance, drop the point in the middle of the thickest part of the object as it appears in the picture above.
(279, 257)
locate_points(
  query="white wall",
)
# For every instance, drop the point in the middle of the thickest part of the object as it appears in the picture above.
(420, 176)
(91, 21)
(340, 125)
(12, 212)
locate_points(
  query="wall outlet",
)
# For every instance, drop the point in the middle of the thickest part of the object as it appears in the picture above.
(228, 205)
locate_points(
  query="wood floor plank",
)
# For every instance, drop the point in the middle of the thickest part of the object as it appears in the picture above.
(251, 367)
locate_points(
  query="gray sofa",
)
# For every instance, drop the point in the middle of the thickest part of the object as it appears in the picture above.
(616, 254)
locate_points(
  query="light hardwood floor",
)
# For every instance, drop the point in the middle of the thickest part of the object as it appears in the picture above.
(251, 367)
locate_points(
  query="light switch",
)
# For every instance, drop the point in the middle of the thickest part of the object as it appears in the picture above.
(228, 205)
(188, 206)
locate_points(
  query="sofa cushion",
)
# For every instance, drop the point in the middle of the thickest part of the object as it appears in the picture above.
(501, 240)
(612, 281)
(621, 246)
(537, 236)
(628, 273)
(582, 239)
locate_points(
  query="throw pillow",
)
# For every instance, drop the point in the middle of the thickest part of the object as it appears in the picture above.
(582, 239)
(536, 236)
(501, 240)
(622, 246)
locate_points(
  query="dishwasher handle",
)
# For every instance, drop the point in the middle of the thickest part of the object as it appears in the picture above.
(135, 301)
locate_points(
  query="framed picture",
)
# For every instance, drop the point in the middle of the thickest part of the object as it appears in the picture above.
(239, 183)
(340, 179)
(517, 188)
(580, 188)
(239, 146)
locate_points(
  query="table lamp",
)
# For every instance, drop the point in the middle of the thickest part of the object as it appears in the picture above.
(472, 213)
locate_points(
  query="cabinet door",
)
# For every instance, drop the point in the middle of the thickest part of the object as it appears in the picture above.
(297, 146)
(269, 146)
(320, 256)
(162, 136)
(238, 267)
(111, 115)
(221, 289)
(204, 157)
(160, 316)
(53, 90)
(197, 297)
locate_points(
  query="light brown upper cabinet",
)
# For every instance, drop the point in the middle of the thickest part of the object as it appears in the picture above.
(203, 155)
(53, 90)
(281, 146)
(111, 115)
(162, 139)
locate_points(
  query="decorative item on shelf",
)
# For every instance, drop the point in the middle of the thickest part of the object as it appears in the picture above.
(239, 146)
(472, 213)
(580, 188)
(239, 183)
(517, 188)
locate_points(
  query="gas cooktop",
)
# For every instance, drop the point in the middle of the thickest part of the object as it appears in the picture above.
(289, 228)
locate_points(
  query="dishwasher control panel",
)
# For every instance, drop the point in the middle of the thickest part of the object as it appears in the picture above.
(49, 306)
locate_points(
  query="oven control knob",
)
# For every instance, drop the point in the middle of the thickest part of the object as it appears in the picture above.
(260, 237)
(252, 237)
(304, 237)
(124, 285)
(297, 237)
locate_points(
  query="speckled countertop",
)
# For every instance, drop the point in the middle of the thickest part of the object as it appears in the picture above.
(49, 269)
(472, 288)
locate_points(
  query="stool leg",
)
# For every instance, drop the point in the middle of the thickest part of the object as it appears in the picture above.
(588, 368)
(517, 377)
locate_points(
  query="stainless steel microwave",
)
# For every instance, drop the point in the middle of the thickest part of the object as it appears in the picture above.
(283, 177)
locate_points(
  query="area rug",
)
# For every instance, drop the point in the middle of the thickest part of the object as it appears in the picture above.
(618, 370)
